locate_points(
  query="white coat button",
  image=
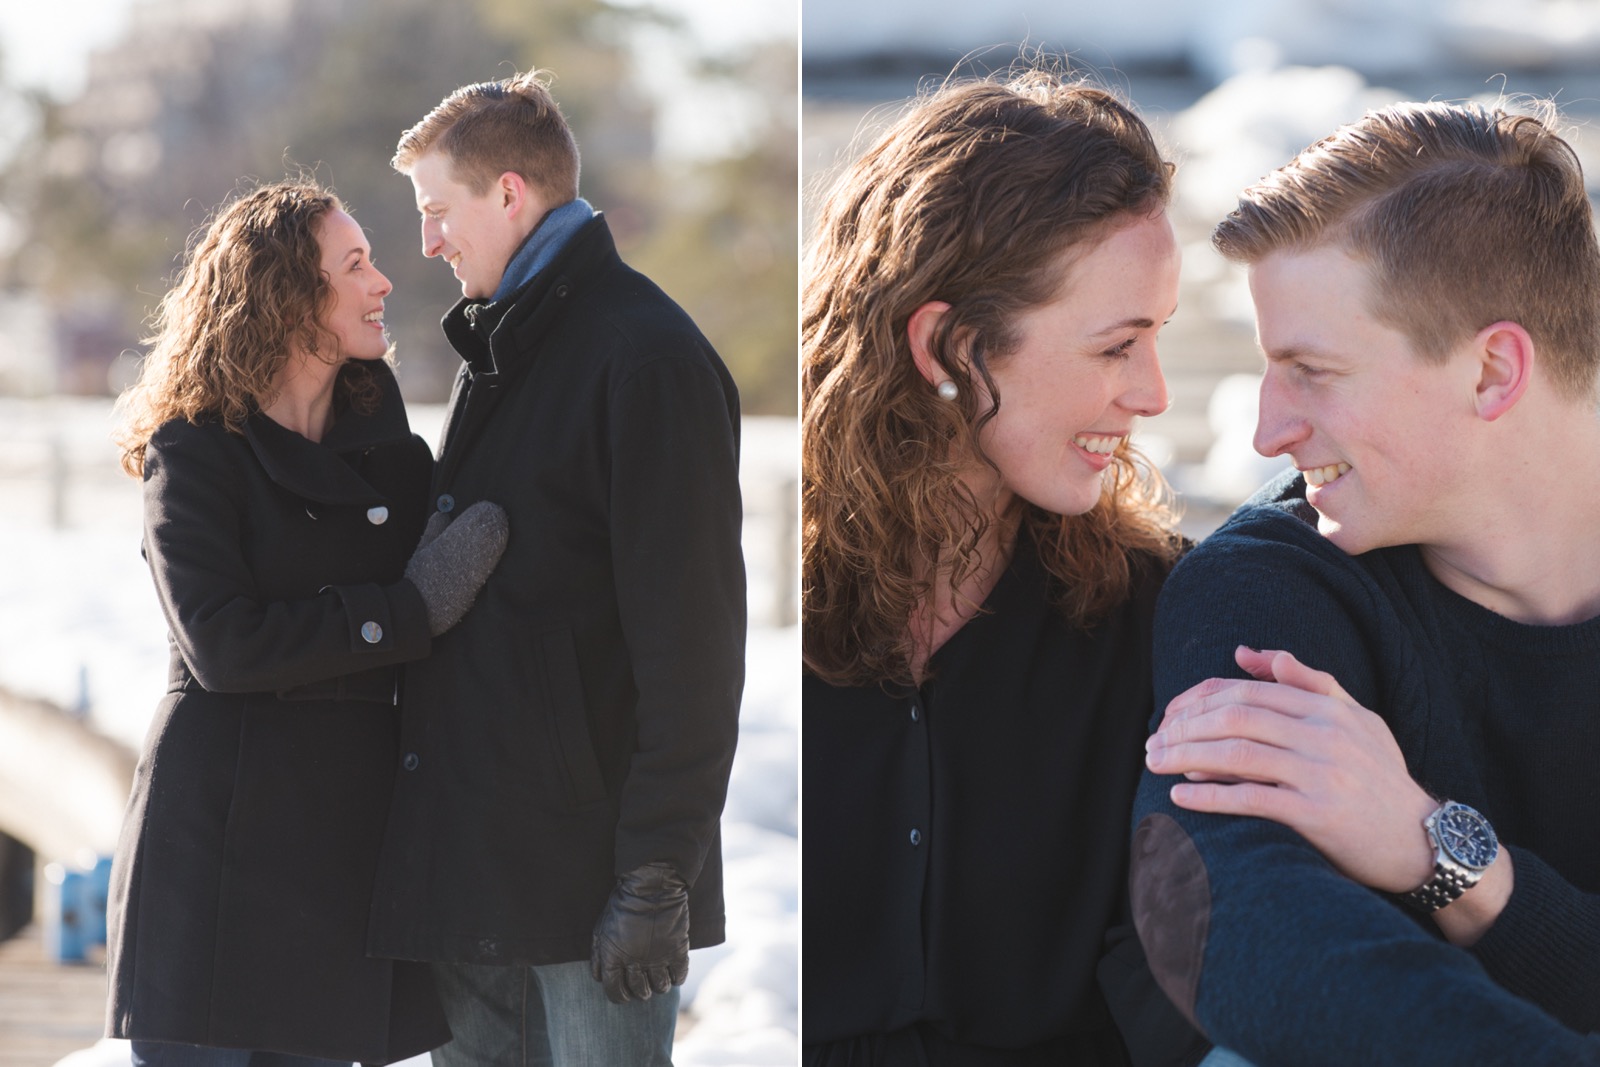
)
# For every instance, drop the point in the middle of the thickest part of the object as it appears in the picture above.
(371, 632)
(378, 515)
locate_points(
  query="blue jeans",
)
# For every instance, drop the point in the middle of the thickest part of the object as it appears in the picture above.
(169, 1054)
(551, 1016)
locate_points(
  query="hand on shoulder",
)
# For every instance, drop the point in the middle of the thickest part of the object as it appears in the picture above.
(1290, 745)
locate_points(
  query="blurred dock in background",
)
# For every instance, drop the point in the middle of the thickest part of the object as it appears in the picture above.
(47, 1009)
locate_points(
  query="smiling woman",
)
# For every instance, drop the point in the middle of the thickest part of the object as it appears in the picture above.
(1084, 367)
(284, 496)
(982, 551)
(355, 314)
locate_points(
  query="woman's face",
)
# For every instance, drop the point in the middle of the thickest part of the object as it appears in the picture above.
(355, 315)
(1085, 366)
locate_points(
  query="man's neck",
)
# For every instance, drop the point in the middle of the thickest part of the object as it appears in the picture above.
(541, 245)
(1526, 549)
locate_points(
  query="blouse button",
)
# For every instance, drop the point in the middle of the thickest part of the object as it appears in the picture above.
(378, 515)
(447, 503)
(411, 761)
(916, 714)
(371, 632)
(916, 837)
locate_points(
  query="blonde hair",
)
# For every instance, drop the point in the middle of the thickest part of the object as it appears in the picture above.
(1466, 214)
(970, 198)
(251, 291)
(493, 127)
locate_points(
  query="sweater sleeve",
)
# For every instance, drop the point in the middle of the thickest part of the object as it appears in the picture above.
(1545, 945)
(675, 535)
(234, 639)
(1254, 935)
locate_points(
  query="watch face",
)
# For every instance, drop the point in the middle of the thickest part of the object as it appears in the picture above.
(1467, 836)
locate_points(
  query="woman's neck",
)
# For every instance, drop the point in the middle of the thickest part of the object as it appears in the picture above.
(950, 606)
(303, 401)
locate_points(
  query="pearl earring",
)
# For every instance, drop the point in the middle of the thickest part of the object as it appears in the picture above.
(948, 390)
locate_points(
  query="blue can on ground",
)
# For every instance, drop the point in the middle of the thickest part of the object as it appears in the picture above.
(75, 918)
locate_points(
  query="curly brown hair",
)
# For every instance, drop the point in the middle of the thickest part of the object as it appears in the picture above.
(969, 198)
(250, 292)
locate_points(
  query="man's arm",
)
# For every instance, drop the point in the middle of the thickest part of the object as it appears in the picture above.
(675, 530)
(1272, 951)
(1318, 762)
(1290, 745)
(675, 553)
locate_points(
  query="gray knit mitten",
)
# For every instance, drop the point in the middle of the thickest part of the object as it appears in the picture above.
(449, 568)
(435, 526)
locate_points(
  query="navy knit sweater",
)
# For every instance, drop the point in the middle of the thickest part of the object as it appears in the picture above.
(1287, 961)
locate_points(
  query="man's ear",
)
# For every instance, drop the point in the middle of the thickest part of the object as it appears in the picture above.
(1506, 359)
(513, 190)
(919, 331)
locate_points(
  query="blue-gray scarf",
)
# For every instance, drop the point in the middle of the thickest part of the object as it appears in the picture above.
(548, 238)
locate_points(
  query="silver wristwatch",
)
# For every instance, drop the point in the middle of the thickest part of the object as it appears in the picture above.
(1464, 845)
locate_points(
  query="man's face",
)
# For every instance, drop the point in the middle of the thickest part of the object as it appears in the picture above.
(1377, 432)
(476, 233)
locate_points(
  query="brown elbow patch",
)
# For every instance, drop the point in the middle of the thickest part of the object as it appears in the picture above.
(1171, 898)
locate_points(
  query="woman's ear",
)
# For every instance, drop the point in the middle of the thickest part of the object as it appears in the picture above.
(1506, 357)
(919, 332)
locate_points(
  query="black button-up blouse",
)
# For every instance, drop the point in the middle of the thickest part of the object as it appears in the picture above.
(965, 845)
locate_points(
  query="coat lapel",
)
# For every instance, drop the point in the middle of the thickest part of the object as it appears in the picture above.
(320, 471)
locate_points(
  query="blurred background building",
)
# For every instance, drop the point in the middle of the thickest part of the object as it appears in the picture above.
(102, 187)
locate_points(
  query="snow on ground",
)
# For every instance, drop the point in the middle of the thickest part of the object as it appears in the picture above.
(80, 626)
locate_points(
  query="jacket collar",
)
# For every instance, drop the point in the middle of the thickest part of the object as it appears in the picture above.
(492, 337)
(320, 471)
(542, 246)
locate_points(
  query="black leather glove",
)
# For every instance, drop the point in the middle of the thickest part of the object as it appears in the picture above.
(641, 943)
(454, 559)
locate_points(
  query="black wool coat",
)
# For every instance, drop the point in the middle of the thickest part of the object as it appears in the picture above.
(581, 719)
(242, 880)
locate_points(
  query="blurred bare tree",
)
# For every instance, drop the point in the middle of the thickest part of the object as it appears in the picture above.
(729, 247)
(107, 187)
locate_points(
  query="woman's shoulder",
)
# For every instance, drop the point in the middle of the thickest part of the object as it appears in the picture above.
(204, 443)
(181, 431)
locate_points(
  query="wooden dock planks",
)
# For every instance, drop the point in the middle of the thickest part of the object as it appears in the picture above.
(47, 1010)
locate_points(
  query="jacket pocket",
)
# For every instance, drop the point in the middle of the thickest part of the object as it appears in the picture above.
(569, 719)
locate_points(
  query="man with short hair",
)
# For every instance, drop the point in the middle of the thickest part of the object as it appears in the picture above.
(1419, 883)
(553, 841)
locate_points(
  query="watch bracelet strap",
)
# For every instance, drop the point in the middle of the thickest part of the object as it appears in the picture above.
(1445, 887)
